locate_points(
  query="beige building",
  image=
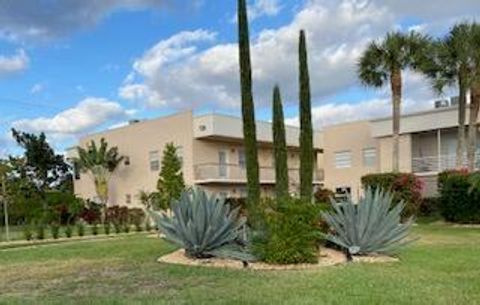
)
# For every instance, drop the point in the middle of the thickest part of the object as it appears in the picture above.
(428, 146)
(211, 149)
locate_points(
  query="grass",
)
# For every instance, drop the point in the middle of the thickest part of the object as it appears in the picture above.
(443, 267)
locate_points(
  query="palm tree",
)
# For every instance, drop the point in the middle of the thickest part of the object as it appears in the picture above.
(474, 47)
(448, 65)
(384, 62)
(100, 162)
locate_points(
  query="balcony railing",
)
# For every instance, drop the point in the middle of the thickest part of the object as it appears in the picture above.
(438, 163)
(214, 172)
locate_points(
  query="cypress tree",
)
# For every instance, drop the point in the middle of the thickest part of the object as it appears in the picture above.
(280, 146)
(170, 183)
(306, 130)
(248, 111)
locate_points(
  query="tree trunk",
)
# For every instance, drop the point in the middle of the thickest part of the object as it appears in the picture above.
(248, 110)
(306, 129)
(462, 104)
(396, 86)
(472, 126)
(280, 147)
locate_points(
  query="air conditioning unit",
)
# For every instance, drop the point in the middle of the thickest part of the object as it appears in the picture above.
(454, 100)
(441, 104)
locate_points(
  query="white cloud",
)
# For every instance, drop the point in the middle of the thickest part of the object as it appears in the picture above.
(264, 8)
(84, 117)
(37, 88)
(13, 63)
(209, 77)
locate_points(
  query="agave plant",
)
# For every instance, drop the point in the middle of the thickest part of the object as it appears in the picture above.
(204, 226)
(370, 226)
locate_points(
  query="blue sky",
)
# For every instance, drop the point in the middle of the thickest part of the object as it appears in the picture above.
(72, 67)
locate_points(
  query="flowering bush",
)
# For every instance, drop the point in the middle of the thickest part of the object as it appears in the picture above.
(404, 187)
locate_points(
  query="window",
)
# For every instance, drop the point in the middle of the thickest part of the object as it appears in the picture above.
(241, 158)
(343, 193)
(76, 170)
(127, 161)
(369, 157)
(154, 161)
(343, 159)
(128, 199)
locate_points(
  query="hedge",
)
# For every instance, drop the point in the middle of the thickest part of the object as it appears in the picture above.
(404, 187)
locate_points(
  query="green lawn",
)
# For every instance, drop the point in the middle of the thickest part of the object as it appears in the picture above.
(443, 267)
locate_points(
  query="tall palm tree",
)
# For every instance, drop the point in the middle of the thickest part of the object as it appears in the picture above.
(449, 64)
(384, 62)
(100, 162)
(474, 45)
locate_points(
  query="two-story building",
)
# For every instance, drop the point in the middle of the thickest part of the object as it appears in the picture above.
(211, 150)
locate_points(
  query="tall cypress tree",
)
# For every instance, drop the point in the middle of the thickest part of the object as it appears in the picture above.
(280, 146)
(306, 130)
(248, 111)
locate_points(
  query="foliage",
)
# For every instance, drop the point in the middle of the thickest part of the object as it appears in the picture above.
(27, 232)
(63, 207)
(404, 187)
(152, 200)
(68, 231)
(289, 233)
(117, 215)
(106, 228)
(306, 129)
(280, 146)
(80, 229)
(91, 212)
(204, 226)
(370, 226)
(148, 226)
(126, 228)
(429, 206)
(170, 182)
(459, 201)
(100, 162)
(248, 109)
(136, 217)
(55, 230)
(323, 195)
(383, 62)
(95, 229)
(40, 231)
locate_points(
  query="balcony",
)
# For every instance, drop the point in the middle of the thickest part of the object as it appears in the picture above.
(234, 173)
(436, 164)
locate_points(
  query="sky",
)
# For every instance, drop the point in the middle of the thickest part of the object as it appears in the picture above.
(72, 67)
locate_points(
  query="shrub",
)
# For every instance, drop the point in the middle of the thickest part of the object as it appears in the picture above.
(323, 195)
(55, 230)
(27, 232)
(289, 232)
(204, 226)
(117, 228)
(403, 187)
(40, 230)
(136, 217)
(369, 226)
(94, 229)
(126, 228)
(148, 226)
(91, 213)
(106, 228)
(117, 215)
(80, 229)
(459, 198)
(68, 231)
(429, 206)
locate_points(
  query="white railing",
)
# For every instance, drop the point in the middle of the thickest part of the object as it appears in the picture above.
(238, 173)
(438, 163)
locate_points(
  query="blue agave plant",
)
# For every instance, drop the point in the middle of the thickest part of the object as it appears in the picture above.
(373, 225)
(204, 226)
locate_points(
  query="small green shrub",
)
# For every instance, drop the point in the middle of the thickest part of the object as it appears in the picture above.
(429, 207)
(148, 226)
(370, 226)
(55, 230)
(117, 228)
(136, 217)
(403, 187)
(27, 232)
(40, 232)
(68, 231)
(289, 232)
(106, 228)
(94, 229)
(80, 229)
(126, 228)
(459, 198)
